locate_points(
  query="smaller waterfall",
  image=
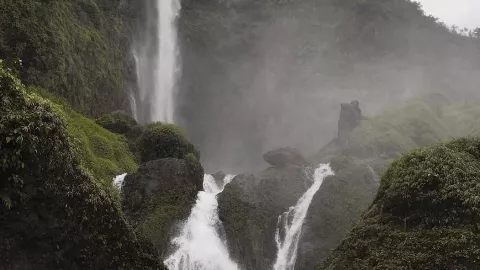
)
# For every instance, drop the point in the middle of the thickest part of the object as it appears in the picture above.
(199, 245)
(289, 226)
(118, 181)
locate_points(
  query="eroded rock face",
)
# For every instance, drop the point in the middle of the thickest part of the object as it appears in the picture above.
(285, 156)
(350, 116)
(160, 194)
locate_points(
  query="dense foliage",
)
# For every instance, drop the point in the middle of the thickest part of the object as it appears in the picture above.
(54, 215)
(160, 140)
(425, 215)
(77, 49)
(117, 122)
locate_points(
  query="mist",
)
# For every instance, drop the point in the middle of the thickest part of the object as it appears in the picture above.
(259, 76)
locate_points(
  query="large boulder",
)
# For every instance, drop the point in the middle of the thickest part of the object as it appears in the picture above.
(249, 208)
(285, 156)
(160, 194)
(424, 215)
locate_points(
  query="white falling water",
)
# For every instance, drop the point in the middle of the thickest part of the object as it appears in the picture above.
(157, 69)
(199, 245)
(118, 181)
(289, 226)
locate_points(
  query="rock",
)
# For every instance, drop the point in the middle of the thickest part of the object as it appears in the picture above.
(160, 194)
(350, 116)
(285, 156)
(249, 208)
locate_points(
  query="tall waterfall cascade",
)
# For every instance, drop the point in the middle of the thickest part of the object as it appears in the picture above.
(157, 64)
(199, 245)
(289, 226)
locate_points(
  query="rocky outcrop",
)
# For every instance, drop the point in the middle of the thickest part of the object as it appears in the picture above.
(160, 194)
(285, 156)
(424, 215)
(249, 208)
(350, 116)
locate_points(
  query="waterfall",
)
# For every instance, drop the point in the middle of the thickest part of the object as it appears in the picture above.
(118, 181)
(199, 245)
(157, 66)
(289, 226)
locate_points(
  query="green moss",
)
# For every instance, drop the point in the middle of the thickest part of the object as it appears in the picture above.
(422, 122)
(117, 122)
(54, 213)
(425, 214)
(164, 141)
(103, 153)
(76, 49)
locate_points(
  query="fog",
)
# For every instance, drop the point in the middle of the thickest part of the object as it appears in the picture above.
(461, 13)
(258, 76)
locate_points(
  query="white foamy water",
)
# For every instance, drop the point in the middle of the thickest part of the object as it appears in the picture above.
(289, 226)
(118, 181)
(199, 245)
(158, 68)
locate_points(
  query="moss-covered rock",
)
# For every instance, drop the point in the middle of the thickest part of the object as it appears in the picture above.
(102, 153)
(160, 194)
(160, 140)
(76, 49)
(425, 215)
(117, 122)
(54, 214)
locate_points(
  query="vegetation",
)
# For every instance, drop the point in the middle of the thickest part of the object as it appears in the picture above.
(101, 152)
(77, 49)
(117, 122)
(54, 214)
(164, 141)
(421, 122)
(424, 215)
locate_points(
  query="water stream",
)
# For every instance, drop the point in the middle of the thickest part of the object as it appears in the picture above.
(289, 226)
(199, 245)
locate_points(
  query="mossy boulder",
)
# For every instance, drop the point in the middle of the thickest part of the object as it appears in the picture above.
(117, 122)
(425, 214)
(160, 140)
(159, 195)
(54, 214)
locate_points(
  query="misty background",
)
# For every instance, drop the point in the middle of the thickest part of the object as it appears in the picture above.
(259, 75)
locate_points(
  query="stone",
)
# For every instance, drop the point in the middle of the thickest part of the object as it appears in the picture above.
(285, 156)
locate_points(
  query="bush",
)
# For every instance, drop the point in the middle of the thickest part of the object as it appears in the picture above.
(164, 141)
(117, 122)
(425, 214)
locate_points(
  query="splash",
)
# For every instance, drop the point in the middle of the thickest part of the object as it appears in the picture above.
(289, 226)
(199, 245)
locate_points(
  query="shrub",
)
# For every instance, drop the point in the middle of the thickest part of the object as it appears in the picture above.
(164, 141)
(117, 122)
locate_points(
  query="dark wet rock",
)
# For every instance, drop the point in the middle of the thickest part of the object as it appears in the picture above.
(219, 177)
(285, 156)
(159, 195)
